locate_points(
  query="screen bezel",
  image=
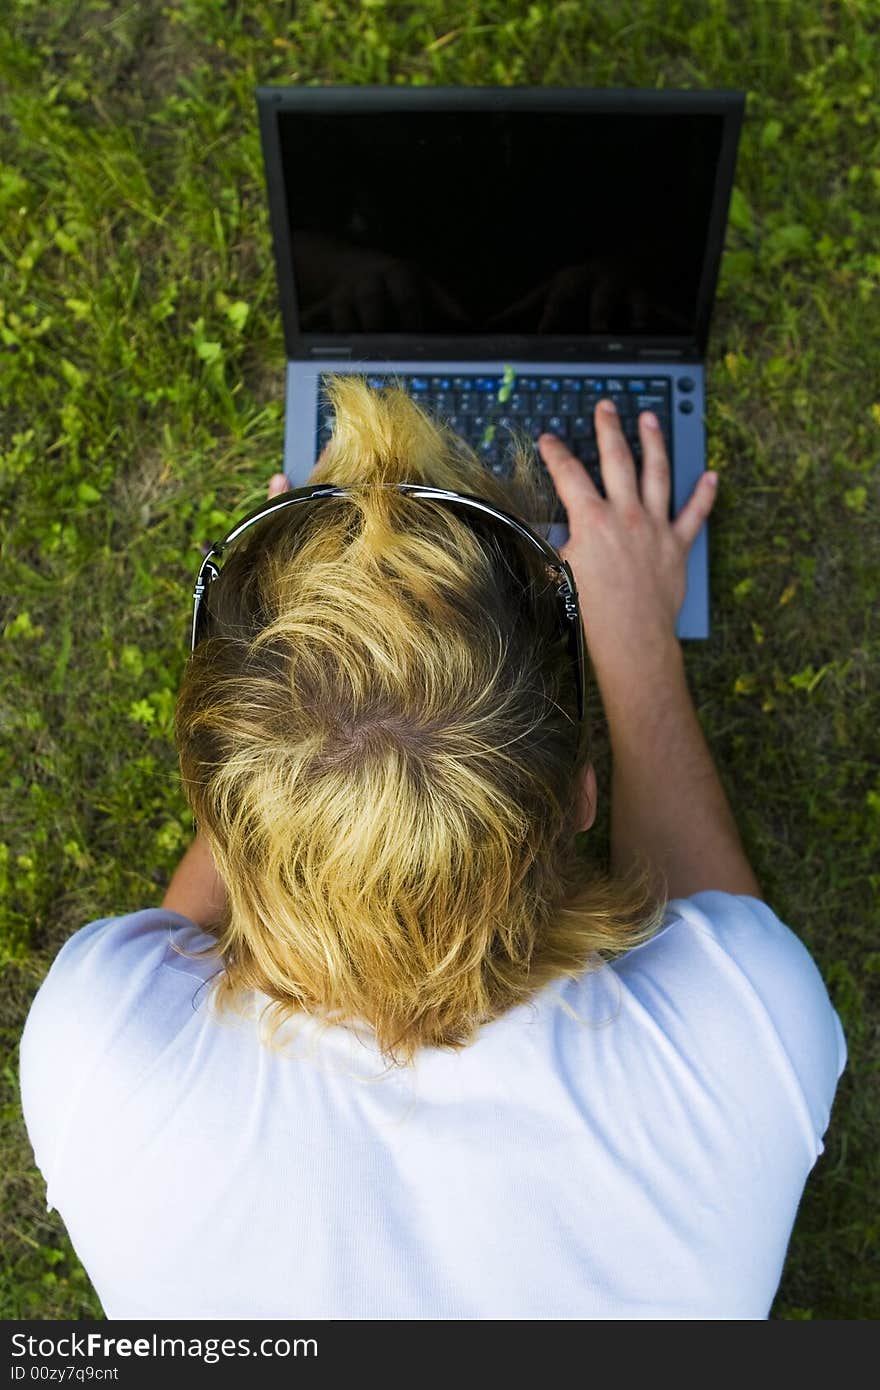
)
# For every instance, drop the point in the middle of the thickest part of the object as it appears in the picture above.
(273, 100)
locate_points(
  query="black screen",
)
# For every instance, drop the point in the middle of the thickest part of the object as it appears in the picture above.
(493, 222)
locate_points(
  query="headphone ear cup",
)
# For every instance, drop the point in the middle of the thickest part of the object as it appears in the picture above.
(207, 574)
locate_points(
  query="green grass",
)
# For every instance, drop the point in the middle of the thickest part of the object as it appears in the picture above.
(141, 411)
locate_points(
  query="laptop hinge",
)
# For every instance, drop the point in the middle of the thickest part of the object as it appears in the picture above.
(329, 352)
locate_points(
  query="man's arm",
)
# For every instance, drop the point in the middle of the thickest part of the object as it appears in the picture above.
(196, 889)
(667, 800)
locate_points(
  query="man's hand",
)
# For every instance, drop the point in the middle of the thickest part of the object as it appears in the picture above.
(277, 484)
(629, 560)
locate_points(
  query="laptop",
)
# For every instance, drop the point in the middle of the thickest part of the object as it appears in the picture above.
(509, 255)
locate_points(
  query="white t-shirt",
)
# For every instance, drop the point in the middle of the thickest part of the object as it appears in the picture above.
(645, 1160)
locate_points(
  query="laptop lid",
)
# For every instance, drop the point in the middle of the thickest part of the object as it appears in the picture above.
(481, 223)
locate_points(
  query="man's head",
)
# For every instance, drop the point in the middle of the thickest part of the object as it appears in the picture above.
(378, 735)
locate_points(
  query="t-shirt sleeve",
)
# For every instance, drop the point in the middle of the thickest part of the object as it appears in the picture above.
(744, 943)
(99, 978)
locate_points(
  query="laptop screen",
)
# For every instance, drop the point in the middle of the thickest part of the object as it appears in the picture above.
(490, 222)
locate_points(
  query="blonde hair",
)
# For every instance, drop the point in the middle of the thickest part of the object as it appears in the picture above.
(378, 738)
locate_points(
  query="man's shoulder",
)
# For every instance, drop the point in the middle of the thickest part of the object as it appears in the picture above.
(731, 963)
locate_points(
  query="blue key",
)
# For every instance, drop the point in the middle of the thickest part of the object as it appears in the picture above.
(419, 383)
(637, 384)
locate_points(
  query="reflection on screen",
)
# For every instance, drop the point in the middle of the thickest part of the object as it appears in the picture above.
(484, 222)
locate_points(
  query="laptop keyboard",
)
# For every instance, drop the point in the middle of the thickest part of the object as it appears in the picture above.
(532, 404)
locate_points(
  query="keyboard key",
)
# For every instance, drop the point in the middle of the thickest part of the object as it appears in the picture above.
(545, 401)
(487, 383)
(636, 383)
(441, 383)
(419, 383)
(569, 401)
(659, 383)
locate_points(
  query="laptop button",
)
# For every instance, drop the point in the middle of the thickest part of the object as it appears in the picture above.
(582, 424)
(685, 383)
(685, 407)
